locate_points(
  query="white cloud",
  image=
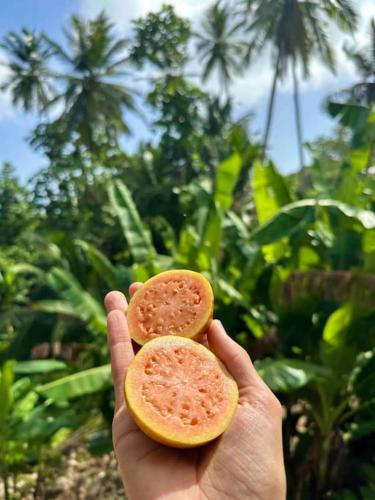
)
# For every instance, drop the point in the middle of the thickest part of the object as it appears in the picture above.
(255, 83)
(6, 109)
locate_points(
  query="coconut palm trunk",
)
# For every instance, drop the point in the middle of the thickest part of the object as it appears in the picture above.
(297, 110)
(271, 103)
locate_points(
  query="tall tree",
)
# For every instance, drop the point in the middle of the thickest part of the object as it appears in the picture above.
(296, 30)
(161, 39)
(29, 80)
(218, 44)
(87, 87)
(93, 98)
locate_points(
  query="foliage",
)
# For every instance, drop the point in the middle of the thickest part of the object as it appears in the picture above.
(29, 426)
(161, 39)
(16, 212)
(364, 60)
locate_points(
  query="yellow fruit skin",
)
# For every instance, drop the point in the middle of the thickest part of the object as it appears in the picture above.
(198, 329)
(149, 427)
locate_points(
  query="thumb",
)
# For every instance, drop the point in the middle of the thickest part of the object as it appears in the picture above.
(235, 358)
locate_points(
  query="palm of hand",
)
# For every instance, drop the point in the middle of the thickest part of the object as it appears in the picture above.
(246, 462)
(237, 465)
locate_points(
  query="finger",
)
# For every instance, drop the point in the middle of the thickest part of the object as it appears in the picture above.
(232, 355)
(121, 350)
(115, 300)
(119, 342)
(134, 287)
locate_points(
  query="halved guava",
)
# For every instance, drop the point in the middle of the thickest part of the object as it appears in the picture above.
(178, 302)
(179, 393)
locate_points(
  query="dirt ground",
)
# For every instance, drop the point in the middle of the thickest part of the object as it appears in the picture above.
(79, 476)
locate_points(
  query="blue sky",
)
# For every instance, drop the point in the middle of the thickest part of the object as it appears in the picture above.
(250, 91)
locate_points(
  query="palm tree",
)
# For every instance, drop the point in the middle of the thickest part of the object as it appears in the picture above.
(364, 60)
(29, 80)
(295, 30)
(218, 45)
(93, 99)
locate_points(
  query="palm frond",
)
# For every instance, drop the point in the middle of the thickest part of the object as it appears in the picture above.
(342, 12)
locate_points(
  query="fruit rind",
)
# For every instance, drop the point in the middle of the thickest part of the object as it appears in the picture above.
(198, 326)
(148, 426)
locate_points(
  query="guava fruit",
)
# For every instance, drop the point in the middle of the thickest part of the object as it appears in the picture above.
(178, 302)
(179, 393)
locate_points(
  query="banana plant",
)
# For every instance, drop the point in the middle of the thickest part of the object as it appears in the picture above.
(16, 281)
(28, 423)
(74, 301)
(324, 320)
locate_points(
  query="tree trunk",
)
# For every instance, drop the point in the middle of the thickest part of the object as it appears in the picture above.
(297, 110)
(6, 487)
(270, 108)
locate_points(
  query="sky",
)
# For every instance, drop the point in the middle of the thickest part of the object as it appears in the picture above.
(250, 91)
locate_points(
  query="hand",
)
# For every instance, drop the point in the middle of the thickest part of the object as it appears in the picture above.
(245, 463)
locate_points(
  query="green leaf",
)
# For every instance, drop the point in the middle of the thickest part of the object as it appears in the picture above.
(349, 115)
(365, 218)
(285, 375)
(85, 307)
(137, 237)
(6, 396)
(226, 180)
(140, 273)
(254, 326)
(54, 307)
(162, 263)
(236, 222)
(368, 245)
(270, 195)
(337, 324)
(369, 241)
(211, 239)
(23, 268)
(288, 220)
(188, 247)
(21, 386)
(4, 345)
(38, 366)
(101, 264)
(77, 385)
(39, 425)
(24, 406)
(307, 259)
(229, 293)
(359, 159)
(297, 216)
(269, 190)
